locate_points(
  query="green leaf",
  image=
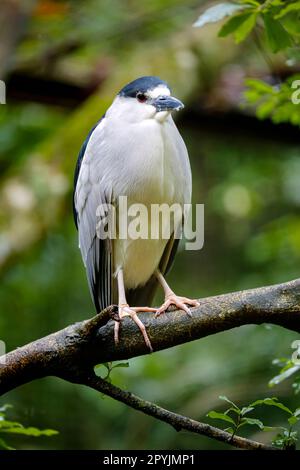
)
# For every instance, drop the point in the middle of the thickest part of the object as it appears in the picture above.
(5, 446)
(240, 26)
(259, 85)
(265, 109)
(289, 8)
(278, 38)
(272, 402)
(297, 412)
(121, 364)
(281, 361)
(5, 407)
(250, 2)
(221, 416)
(251, 96)
(9, 424)
(218, 12)
(254, 422)
(30, 431)
(296, 385)
(283, 375)
(246, 409)
(291, 23)
(98, 369)
(231, 430)
(293, 420)
(269, 428)
(223, 397)
(234, 410)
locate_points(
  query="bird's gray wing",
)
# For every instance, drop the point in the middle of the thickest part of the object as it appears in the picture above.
(77, 169)
(90, 192)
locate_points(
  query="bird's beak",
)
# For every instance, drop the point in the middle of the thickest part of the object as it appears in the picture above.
(167, 103)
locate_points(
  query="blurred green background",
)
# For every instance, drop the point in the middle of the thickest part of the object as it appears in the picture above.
(63, 62)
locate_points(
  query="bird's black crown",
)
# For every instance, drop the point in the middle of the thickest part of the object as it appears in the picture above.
(142, 85)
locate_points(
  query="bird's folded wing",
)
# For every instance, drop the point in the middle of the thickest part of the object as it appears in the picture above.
(89, 195)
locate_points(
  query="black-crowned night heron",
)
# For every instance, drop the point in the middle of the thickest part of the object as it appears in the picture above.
(135, 151)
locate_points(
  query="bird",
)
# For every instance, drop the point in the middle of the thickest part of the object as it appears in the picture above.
(135, 151)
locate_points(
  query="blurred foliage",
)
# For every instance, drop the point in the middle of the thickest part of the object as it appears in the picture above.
(288, 367)
(29, 124)
(280, 19)
(248, 180)
(8, 428)
(83, 34)
(275, 102)
(276, 24)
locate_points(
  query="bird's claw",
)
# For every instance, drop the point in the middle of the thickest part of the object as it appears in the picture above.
(179, 302)
(126, 311)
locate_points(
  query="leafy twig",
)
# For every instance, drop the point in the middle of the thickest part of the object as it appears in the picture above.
(236, 416)
(178, 421)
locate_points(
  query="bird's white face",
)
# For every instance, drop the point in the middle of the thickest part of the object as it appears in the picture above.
(156, 103)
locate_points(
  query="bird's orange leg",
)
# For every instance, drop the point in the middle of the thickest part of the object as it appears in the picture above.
(172, 299)
(126, 311)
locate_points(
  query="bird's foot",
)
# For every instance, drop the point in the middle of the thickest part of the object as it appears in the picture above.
(126, 311)
(179, 302)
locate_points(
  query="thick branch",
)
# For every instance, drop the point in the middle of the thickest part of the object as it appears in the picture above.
(72, 352)
(85, 344)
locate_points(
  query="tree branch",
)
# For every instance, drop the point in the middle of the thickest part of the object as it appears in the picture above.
(177, 421)
(83, 345)
(72, 353)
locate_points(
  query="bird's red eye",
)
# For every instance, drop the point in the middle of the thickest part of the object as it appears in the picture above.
(141, 97)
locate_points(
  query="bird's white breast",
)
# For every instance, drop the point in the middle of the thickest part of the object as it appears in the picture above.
(157, 174)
